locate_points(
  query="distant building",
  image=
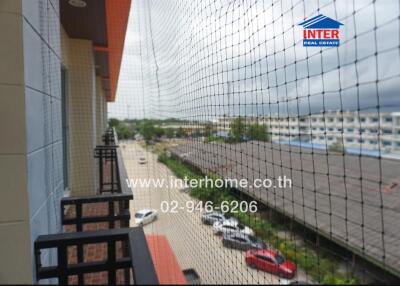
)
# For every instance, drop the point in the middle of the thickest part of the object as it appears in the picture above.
(354, 129)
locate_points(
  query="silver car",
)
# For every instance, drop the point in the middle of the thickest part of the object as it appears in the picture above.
(243, 241)
(211, 217)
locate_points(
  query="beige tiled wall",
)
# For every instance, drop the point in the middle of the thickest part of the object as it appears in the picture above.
(32, 49)
(79, 61)
(99, 111)
(15, 254)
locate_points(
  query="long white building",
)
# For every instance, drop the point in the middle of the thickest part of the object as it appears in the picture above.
(369, 131)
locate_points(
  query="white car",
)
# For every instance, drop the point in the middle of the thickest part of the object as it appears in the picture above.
(231, 226)
(145, 216)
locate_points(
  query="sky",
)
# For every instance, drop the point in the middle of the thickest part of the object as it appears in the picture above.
(201, 59)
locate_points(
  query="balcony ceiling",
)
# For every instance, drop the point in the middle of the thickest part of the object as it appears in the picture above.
(104, 22)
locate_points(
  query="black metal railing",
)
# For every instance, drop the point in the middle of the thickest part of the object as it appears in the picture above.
(138, 261)
(135, 260)
(118, 210)
(109, 180)
(109, 137)
(110, 164)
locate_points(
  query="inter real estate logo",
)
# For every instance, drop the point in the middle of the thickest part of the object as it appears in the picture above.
(321, 31)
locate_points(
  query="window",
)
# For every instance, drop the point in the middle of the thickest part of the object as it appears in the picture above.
(264, 258)
(65, 125)
(279, 259)
(350, 130)
(387, 143)
(138, 215)
(388, 119)
(362, 119)
(349, 140)
(240, 226)
(387, 131)
(375, 119)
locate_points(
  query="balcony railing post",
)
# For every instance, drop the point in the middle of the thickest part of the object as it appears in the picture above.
(101, 171)
(139, 259)
(62, 260)
(79, 228)
(107, 155)
(111, 261)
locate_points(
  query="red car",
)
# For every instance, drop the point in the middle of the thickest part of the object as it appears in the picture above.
(271, 261)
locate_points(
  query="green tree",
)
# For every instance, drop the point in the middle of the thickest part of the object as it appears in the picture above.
(169, 132)
(124, 131)
(158, 131)
(147, 130)
(208, 129)
(181, 133)
(113, 122)
(237, 130)
(258, 132)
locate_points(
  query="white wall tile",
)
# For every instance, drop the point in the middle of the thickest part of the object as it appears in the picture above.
(56, 6)
(36, 60)
(54, 31)
(56, 120)
(55, 75)
(38, 119)
(39, 178)
(58, 165)
(35, 12)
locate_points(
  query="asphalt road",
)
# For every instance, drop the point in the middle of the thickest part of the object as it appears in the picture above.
(193, 243)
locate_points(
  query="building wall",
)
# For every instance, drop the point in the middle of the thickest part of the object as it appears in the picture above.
(33, 49)
(82, 96)
(353, 129)
(99, 111)
(31, 154)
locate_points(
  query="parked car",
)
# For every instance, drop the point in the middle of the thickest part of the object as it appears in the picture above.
(192, 277)
(145, 216)
(211, 217)
(293, 282)
(231, 226)
(243, 241)
(271, 261)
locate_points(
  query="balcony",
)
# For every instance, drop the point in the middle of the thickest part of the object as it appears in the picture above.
(97, 245)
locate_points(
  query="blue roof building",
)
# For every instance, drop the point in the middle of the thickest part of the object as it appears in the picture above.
(321, 22)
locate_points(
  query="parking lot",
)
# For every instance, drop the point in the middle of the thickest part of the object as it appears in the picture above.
(193, 243)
